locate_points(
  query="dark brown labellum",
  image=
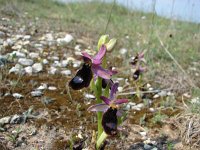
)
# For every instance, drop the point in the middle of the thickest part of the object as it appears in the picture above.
(106, 82)
(134, 61)
(136, 74)
(82, 78)
(109, 121)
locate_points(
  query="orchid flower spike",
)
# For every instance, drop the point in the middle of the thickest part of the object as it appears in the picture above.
(138, 72)
(84, 75)
(138, 58)
(111, 110)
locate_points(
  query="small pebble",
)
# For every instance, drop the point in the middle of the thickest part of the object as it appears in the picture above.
(130, 105)
(89, 96)
(66, 72)
(57, 64)
(143, 133)
(64, 63)
(17, 95)
(5, 120)
(33, 55)
(29, 70)
(148, 85)
(37, 67)
(152, 109)
(45, 61)
(16, 119)
(25, 61)
(151, 89)
(42, 87)
(156, 96)
(169, 93)
(195, 100)
(120, 89)
(187, 95)
(52, 88)
(53, 70)
(123, 51)
(36, 93)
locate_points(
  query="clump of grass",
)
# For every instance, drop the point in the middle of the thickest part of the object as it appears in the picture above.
(188, 125)
(170, 145)
(159, 118)
(13, 137)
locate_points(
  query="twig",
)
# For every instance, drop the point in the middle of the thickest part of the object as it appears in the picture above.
(109, 17)
(144, 92)
(68, 92)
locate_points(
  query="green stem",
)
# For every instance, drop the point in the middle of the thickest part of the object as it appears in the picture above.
(98, 93)
(106, 91)
(101, 139)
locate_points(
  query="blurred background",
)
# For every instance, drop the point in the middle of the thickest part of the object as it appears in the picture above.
(40, 46)
(186, 10)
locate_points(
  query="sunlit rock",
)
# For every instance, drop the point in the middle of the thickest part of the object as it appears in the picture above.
(64, 63)
(33, 55)
(66, 72)
(5, 120)
(52, 88)
(56, 64)
(17, 95)
(76, 63)
(52, 70)
(18, 54)
(43, 86)
(29, 70)
(25, 61)
(17, 69)
(123, 51)
(27, 37)
(37, 67)
(36, 93)
(66, 40)
(89, 96)
(45, 61)
(2, 34)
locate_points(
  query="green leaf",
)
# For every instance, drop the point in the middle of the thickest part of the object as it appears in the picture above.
(101, 139)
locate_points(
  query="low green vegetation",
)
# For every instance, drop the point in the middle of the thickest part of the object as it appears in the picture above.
(136, 30)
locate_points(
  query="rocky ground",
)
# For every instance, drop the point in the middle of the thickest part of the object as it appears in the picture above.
(39, 111)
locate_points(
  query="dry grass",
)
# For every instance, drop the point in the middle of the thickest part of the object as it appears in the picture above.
(188, 125)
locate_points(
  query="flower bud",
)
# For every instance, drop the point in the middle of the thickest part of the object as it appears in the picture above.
(103, 40)
(110, 45)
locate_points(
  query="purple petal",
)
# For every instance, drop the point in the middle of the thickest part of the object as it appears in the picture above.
(120, 101)
(105, 99)
(98, 107)
(99, 71)
(113, 90)
(96, 61)
(113, 72)
(141, 54)
(101, 53)
(86, 56)
(142, 69)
